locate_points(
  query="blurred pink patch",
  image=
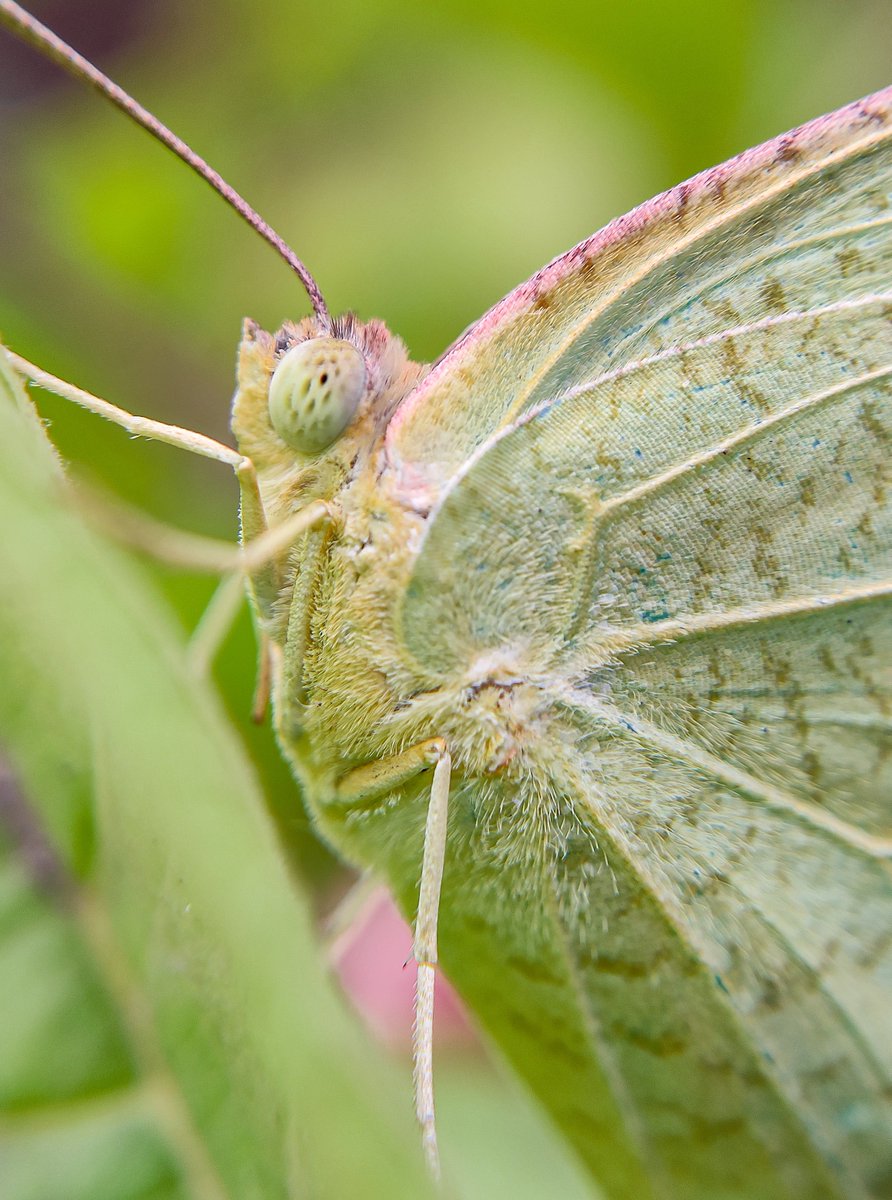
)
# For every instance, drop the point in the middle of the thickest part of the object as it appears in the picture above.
(374, 963)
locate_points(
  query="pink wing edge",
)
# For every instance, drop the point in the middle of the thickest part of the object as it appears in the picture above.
(875, 108)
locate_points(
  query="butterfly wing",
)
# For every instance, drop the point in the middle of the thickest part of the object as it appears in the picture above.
(658, 476)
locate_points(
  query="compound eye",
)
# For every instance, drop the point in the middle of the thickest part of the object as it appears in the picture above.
(315, 391)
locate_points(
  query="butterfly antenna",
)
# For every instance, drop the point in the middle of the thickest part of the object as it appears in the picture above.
(33, 32)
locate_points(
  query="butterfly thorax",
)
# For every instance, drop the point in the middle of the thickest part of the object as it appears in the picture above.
(346, 690)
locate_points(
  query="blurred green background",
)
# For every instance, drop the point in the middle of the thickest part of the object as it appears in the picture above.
(422, 159)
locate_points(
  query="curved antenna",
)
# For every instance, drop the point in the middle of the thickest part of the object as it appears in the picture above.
(36, 34)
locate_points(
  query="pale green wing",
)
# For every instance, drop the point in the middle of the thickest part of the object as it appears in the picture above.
(797, 223)
(675, 520)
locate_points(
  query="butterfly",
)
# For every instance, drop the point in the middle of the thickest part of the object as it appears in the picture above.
(625, 552)
(592, 620)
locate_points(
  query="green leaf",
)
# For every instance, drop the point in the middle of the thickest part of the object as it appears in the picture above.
(167, 1030)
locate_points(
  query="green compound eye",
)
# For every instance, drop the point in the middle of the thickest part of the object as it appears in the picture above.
(314, 392)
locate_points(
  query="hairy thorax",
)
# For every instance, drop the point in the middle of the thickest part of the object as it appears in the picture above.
(364, 696)
(347, 690)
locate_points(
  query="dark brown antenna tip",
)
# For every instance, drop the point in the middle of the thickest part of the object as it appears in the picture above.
(32, 31)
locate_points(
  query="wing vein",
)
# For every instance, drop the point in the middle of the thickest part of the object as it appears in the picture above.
(682, 243)
(739, 438)
(625, 1100)
(777, 251)
(742, 782)
(674, 629)
(541, 409)
(738, 331)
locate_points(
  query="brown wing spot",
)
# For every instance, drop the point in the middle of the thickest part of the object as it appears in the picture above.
(536, 971)
(588, 267)
(760, 225)
(682, 198)
(731, 359)
(548, 1038)
(622, 968)
(872, 422)
(717, 180)
(779, 670)
(848, 260)
(660, 1046)
(787, 149)
(811, 765)
(725, 312)
(865, 526)
(873, 116)
(826, 660)
(773, 296)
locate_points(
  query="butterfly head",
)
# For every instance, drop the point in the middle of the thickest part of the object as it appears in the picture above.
(313, 403)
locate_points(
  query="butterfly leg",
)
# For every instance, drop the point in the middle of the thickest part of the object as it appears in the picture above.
(256, 562)
(385, 776)
(129, 526)
(257, 558)
(171, 545)
(265, 546)
(425, 950)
